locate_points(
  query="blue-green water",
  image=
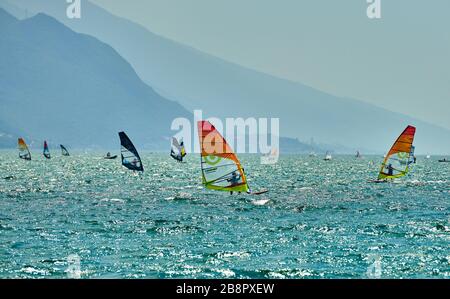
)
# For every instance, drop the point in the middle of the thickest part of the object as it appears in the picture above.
(323, 220)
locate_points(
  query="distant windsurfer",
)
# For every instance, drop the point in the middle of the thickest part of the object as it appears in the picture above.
(108, 155)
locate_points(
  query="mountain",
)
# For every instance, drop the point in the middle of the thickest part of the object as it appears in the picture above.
(71, 88)
(223, 89)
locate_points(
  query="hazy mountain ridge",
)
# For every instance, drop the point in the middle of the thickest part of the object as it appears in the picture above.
(223, 89)
(71, 88)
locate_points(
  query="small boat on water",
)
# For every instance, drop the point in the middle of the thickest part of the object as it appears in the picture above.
(328, 157)
(24, 152)
(109, 157)
(445, 160)
(399, 159)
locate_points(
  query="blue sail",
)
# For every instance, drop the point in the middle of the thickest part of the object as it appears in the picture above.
(130, 156)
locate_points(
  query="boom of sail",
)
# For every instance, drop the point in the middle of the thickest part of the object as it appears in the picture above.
(399, 159)
(24, 152)
(221, 169)
(129, 154)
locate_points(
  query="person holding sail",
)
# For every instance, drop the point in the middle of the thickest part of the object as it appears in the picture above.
(234, 180)
(390, 170)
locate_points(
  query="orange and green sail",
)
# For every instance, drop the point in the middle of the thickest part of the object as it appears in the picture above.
(24, 152)
(399, 159)
(221, 169)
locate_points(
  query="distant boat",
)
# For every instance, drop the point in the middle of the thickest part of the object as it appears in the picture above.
(445, 160)
(328, 157)
(64, 151)
(46, 152)
(399, 159)
(24, 152)
(270, 158)
(109, 157)
(178, 151)
(129, 154)
(428, 157)
(312, 154)
(221, 168)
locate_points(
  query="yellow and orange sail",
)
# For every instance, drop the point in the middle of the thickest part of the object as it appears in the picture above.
(24, 152)
(221, 169)
(399, 159)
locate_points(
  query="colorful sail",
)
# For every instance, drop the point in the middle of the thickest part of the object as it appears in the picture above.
(399, 159)
(178, 151)
(130, 156)
(24, 152)
(64, 151)
(221, 169)
(46, 151)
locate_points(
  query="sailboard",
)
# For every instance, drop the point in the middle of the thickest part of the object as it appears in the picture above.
(178, 151)
(398, 161)
(129, 154)
(221, 168)
(24, 152)
(328, 157)
(64, 151)
(46, 151)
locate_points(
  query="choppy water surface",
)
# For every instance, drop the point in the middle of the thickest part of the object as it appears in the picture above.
(323, 220)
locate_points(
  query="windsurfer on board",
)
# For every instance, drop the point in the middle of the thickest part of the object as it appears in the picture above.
(234, 180)
(390, 170)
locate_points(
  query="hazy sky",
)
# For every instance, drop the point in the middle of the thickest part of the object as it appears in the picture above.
(401, 62)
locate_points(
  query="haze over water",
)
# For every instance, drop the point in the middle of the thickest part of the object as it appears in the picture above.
(323, 219)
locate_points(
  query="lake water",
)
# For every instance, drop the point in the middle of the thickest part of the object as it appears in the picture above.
(83, 216)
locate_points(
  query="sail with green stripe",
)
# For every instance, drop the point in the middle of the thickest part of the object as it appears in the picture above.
(221, 169)
(398, 161)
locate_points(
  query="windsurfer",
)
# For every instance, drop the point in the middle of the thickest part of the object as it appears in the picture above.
(234, 180)
(135, 162)
(108, 155)
(390, 170)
